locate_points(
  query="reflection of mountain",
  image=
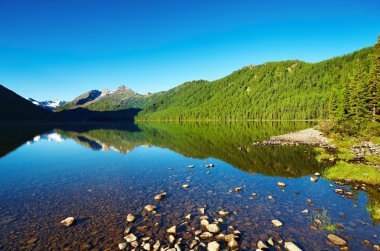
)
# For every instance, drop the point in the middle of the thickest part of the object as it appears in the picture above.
(205, 140)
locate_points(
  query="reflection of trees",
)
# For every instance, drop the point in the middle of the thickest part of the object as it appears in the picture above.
(373, 204)
(214, 140)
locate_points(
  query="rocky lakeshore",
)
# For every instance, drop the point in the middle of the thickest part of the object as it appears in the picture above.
(310, 136)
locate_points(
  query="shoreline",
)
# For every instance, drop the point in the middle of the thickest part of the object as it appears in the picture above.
(309, 136)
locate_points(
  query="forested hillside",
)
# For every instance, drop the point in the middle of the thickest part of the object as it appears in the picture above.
(289, 90)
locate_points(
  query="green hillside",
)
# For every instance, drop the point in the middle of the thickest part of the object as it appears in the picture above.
(289, 90)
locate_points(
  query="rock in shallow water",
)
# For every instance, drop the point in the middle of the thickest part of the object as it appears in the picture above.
(172, 230)
(281, 184)
(213, 228)
(122, 246)
(68, 221)
(130, 238)
(223, 213)
(290, 246)
(277, 223)
(130, 217)
(160, 196)
(150, 208)
(213, 246)
(336, 240)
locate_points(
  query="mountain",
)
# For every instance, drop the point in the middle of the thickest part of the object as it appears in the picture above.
(120, 99)
(286, 90)
(48, 105)
(15, 108)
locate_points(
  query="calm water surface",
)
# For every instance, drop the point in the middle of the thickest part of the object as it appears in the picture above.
(98, 173)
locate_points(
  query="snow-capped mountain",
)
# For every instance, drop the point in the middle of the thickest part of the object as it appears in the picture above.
(49, 104)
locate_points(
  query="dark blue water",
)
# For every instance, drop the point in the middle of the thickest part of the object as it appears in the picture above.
(99, 175)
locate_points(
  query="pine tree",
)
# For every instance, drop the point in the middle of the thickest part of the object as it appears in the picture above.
(358, 94)
(374, 84)
(333, 105)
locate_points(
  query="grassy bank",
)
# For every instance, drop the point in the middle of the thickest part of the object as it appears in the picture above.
(357, 172)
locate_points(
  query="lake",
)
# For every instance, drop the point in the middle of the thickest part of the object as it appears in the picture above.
(100, 173)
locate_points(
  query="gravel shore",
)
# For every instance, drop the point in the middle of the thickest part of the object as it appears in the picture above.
(308, 136)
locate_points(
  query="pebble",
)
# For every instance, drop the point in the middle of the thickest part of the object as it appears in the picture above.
(213, 246)
(206, 235)
(147, 246)
(130, 238)
(339, 191)
(238, 189)
(336, 240)
(122, 246)
(233, 244)
(172, 230)
(150, 208)
(313, 179)
(130, 217)
(68, 221)
(160, 196)
(171, 239)
(318, 222)
(185, 186)
(213, 228)
(261, 245)
(277, 223)
(281, 184)
(290, 246)
(223, 213)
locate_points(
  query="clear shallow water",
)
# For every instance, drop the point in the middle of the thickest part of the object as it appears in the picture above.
(100, 173)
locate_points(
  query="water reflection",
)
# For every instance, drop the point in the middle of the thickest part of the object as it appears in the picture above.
(101, 172)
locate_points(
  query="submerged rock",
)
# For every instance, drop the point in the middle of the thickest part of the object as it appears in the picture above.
(339, 191)
(313, 179)
(233, 244)
(122, 246)
(213, 228)
(130, 238)
(160, 196)
(238, 189)
(290, 246)
(172, 230)
(206, 235)
(213, 246)
(281, 184)
(223, 213)
(130, 217)
(336, 240)
(150, 208)
(277, 223)
(68, 221)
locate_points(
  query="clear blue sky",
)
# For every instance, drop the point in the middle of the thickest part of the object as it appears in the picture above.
(58, 49)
